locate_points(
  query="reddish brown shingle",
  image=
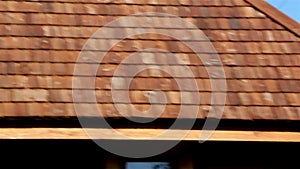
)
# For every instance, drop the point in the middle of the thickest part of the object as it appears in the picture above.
(41, 41)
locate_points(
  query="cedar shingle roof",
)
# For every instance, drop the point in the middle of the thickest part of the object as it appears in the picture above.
(41, 41)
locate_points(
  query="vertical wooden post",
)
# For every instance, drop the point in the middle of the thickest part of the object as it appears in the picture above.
(112, 162)
(186, 162)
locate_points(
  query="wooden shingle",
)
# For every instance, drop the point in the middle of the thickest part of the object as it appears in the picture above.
(41, 41)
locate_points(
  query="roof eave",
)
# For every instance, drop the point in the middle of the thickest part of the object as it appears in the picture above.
(139, 134)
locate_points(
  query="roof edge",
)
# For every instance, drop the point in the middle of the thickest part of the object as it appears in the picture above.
(140, 134)
(277, 15)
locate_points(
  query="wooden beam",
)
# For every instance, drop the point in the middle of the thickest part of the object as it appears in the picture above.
(147, 134)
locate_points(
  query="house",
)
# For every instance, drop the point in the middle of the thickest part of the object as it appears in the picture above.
(125, 84)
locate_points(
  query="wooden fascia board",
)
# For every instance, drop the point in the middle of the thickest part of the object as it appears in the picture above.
(147, 134)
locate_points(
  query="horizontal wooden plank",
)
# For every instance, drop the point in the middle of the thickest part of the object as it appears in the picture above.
(147, 134)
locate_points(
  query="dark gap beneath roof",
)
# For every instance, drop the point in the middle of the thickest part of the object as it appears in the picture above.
(162, 123)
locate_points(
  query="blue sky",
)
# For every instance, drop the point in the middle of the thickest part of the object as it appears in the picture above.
(289, 7)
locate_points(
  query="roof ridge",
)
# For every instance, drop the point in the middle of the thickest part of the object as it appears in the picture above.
(276, 15)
